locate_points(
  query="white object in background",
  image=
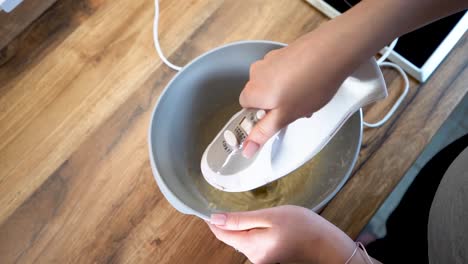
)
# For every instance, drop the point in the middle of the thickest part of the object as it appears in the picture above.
(224, 167)
(8, 5)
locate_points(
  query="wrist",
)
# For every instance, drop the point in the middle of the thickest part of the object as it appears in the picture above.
(331, 246)
(336, 249)
(359, 33)
(339, 248)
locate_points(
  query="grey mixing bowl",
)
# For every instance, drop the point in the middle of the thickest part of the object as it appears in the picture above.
(204, 87)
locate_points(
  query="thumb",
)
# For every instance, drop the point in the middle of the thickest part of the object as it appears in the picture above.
(266, 128)
(241, 220)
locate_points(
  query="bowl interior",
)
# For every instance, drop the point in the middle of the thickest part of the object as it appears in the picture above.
(196, 105)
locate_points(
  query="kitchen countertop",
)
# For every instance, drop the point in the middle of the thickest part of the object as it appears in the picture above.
(76, 91)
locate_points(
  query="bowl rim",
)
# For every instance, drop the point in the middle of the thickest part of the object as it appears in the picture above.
(171, 196)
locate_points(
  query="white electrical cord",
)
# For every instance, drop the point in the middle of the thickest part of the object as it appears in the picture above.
(387, 52)
(400, 99)
(156, 38)
(381, 63)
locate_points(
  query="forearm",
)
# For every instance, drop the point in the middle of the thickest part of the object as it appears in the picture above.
(372, 24)
(366, 28)
(337, 247)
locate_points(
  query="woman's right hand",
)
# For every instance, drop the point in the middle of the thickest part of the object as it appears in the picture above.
(292, 82)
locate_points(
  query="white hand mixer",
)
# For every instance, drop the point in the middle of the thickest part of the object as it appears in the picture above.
(224, 166)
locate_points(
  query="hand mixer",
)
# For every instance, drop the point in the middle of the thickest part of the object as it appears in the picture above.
(224, 166)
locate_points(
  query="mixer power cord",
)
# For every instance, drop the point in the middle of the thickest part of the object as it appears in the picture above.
(381, 62)
(156, 39)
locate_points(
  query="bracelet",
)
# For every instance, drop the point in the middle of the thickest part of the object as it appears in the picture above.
(359, 245)
(352, 255)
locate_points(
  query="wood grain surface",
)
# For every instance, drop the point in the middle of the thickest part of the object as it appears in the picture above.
(76, 93)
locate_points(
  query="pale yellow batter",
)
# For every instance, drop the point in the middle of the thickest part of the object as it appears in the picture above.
(289, 189)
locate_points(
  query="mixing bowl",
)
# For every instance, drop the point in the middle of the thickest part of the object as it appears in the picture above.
(193, 108)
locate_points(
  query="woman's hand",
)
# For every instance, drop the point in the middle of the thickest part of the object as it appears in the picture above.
(283, 234)
(292, 82)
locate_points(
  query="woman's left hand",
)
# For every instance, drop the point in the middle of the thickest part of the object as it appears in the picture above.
(283, 234)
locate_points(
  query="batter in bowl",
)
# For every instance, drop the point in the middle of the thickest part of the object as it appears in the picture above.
(291, 189)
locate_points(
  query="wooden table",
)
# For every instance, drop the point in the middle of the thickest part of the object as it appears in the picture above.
(76, 91)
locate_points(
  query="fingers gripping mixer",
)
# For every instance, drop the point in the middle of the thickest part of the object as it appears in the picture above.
(224, 166)
(224, 155)
(234, 139)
